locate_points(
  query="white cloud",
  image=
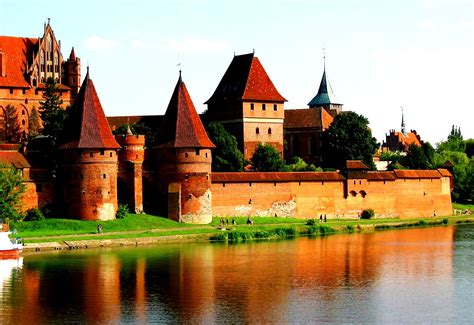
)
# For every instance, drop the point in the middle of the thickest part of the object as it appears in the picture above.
(137, 44)
(197, 45)
(99, 43)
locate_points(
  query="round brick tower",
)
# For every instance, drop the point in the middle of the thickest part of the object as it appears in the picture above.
(183, 161)
(131, 158)
(88, 166)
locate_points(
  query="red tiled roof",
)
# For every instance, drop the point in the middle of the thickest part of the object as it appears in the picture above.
(246, 79)
(16, 51)
(182, 127)
(413, 173)
(444, 172)
(276, 177)
(355, 164)
(380, 175)
(409, 139)
(86, 126)
(307, 118)
(13, 158)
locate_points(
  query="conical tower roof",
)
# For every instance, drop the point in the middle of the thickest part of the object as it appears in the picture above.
(86, 126)
(325, 95)
(182, 127)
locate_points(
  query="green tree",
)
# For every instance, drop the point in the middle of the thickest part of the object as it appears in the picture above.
(137, 128)
(11, 189)
(297, 164)
(11, 125)
(267, 159)
(34, 124)
(454, 142)
(348, 138)
(469, 143)
(52, 114)
(226, 157)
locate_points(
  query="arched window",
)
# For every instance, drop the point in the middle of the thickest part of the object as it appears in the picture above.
(257, 131)
(353, 193)
(269, 130)
(363, 193)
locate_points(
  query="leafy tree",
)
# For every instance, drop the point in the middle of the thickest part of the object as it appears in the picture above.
(297, 164)
(226, 157)
(454, 142)
(469, 143)
(11, 189)
(420, 157)
(34, 124)
(349, 138)
(393, 156)
(267, 159)
(52, 114)
(11, 125)
(137, 128)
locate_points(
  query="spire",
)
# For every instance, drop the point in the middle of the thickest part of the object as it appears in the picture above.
(325, 95)
(86, 126)
(182, 127)
(404, 131)
(72, 56)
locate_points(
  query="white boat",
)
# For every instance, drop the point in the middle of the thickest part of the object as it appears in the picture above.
(9, 248)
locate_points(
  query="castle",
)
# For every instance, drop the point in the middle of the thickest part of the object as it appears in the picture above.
(173, 176)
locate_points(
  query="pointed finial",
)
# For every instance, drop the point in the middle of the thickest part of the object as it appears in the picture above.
(49, 20)
(253, 51)
(403, 123)
(87, 74)
(324, 58)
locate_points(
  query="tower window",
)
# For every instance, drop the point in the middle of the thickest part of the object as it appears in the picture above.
(110, 154)
(186, 177)
(91, 154)
(22, 112)
(26, 100)
(257, 131)
(23, 122)
(104, 176)
(185, 155)
(198, 152)
(23, 91)
(264, 107)
(102, 152)
(275, 107)
(11, 90)
(269, 130)
(252, 106)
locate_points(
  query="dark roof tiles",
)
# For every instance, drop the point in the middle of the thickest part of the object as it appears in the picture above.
(86, 125)
(307, 118)
(182, 127)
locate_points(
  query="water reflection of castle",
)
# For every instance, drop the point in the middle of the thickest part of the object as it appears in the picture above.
(217, 283)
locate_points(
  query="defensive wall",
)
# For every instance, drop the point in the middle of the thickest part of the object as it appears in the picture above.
(402, 193)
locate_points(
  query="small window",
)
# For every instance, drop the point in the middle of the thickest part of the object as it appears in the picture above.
(22, 112)
(91, 154)
(39, 188)
(26, 100)
(250, 184)
(363, 193)
(102, 152)
(23, 122)
(111, 154)
(36, 90)
(275, 107)
(186, 177)
(185, 155)
(257, 131)
(11, 90)
(198, 152)
(223, 184)
(269, 130)
(353, 193)
(104, 176)
(252, 106)
(263, 107)
(206, 154)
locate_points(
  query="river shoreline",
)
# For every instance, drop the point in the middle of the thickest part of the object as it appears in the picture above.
(215, 232)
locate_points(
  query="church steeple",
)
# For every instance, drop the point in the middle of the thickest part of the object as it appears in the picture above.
(325, 96)
(404, 131)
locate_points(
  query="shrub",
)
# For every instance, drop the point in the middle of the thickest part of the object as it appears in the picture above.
(122, 211)
(350, 228)
(445, 221)
(310, 222)
(367, 214)
(34, 214)
(422, 223)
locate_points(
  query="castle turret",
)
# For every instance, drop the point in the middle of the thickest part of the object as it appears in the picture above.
(183, 161)
(88, 165)
(131, 158)
(72, 73)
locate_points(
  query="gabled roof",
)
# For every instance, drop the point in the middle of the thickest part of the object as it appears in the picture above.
(325, 95)
(307, 118)
(182, 127)
(246, 79)
(86, 125)
(16, 51)
(408, 139)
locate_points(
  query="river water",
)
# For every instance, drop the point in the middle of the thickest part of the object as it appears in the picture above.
(402, 276)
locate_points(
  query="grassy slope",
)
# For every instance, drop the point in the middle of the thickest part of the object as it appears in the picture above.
(144, 225)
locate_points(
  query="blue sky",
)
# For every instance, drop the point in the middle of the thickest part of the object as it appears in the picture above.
(381, 55)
